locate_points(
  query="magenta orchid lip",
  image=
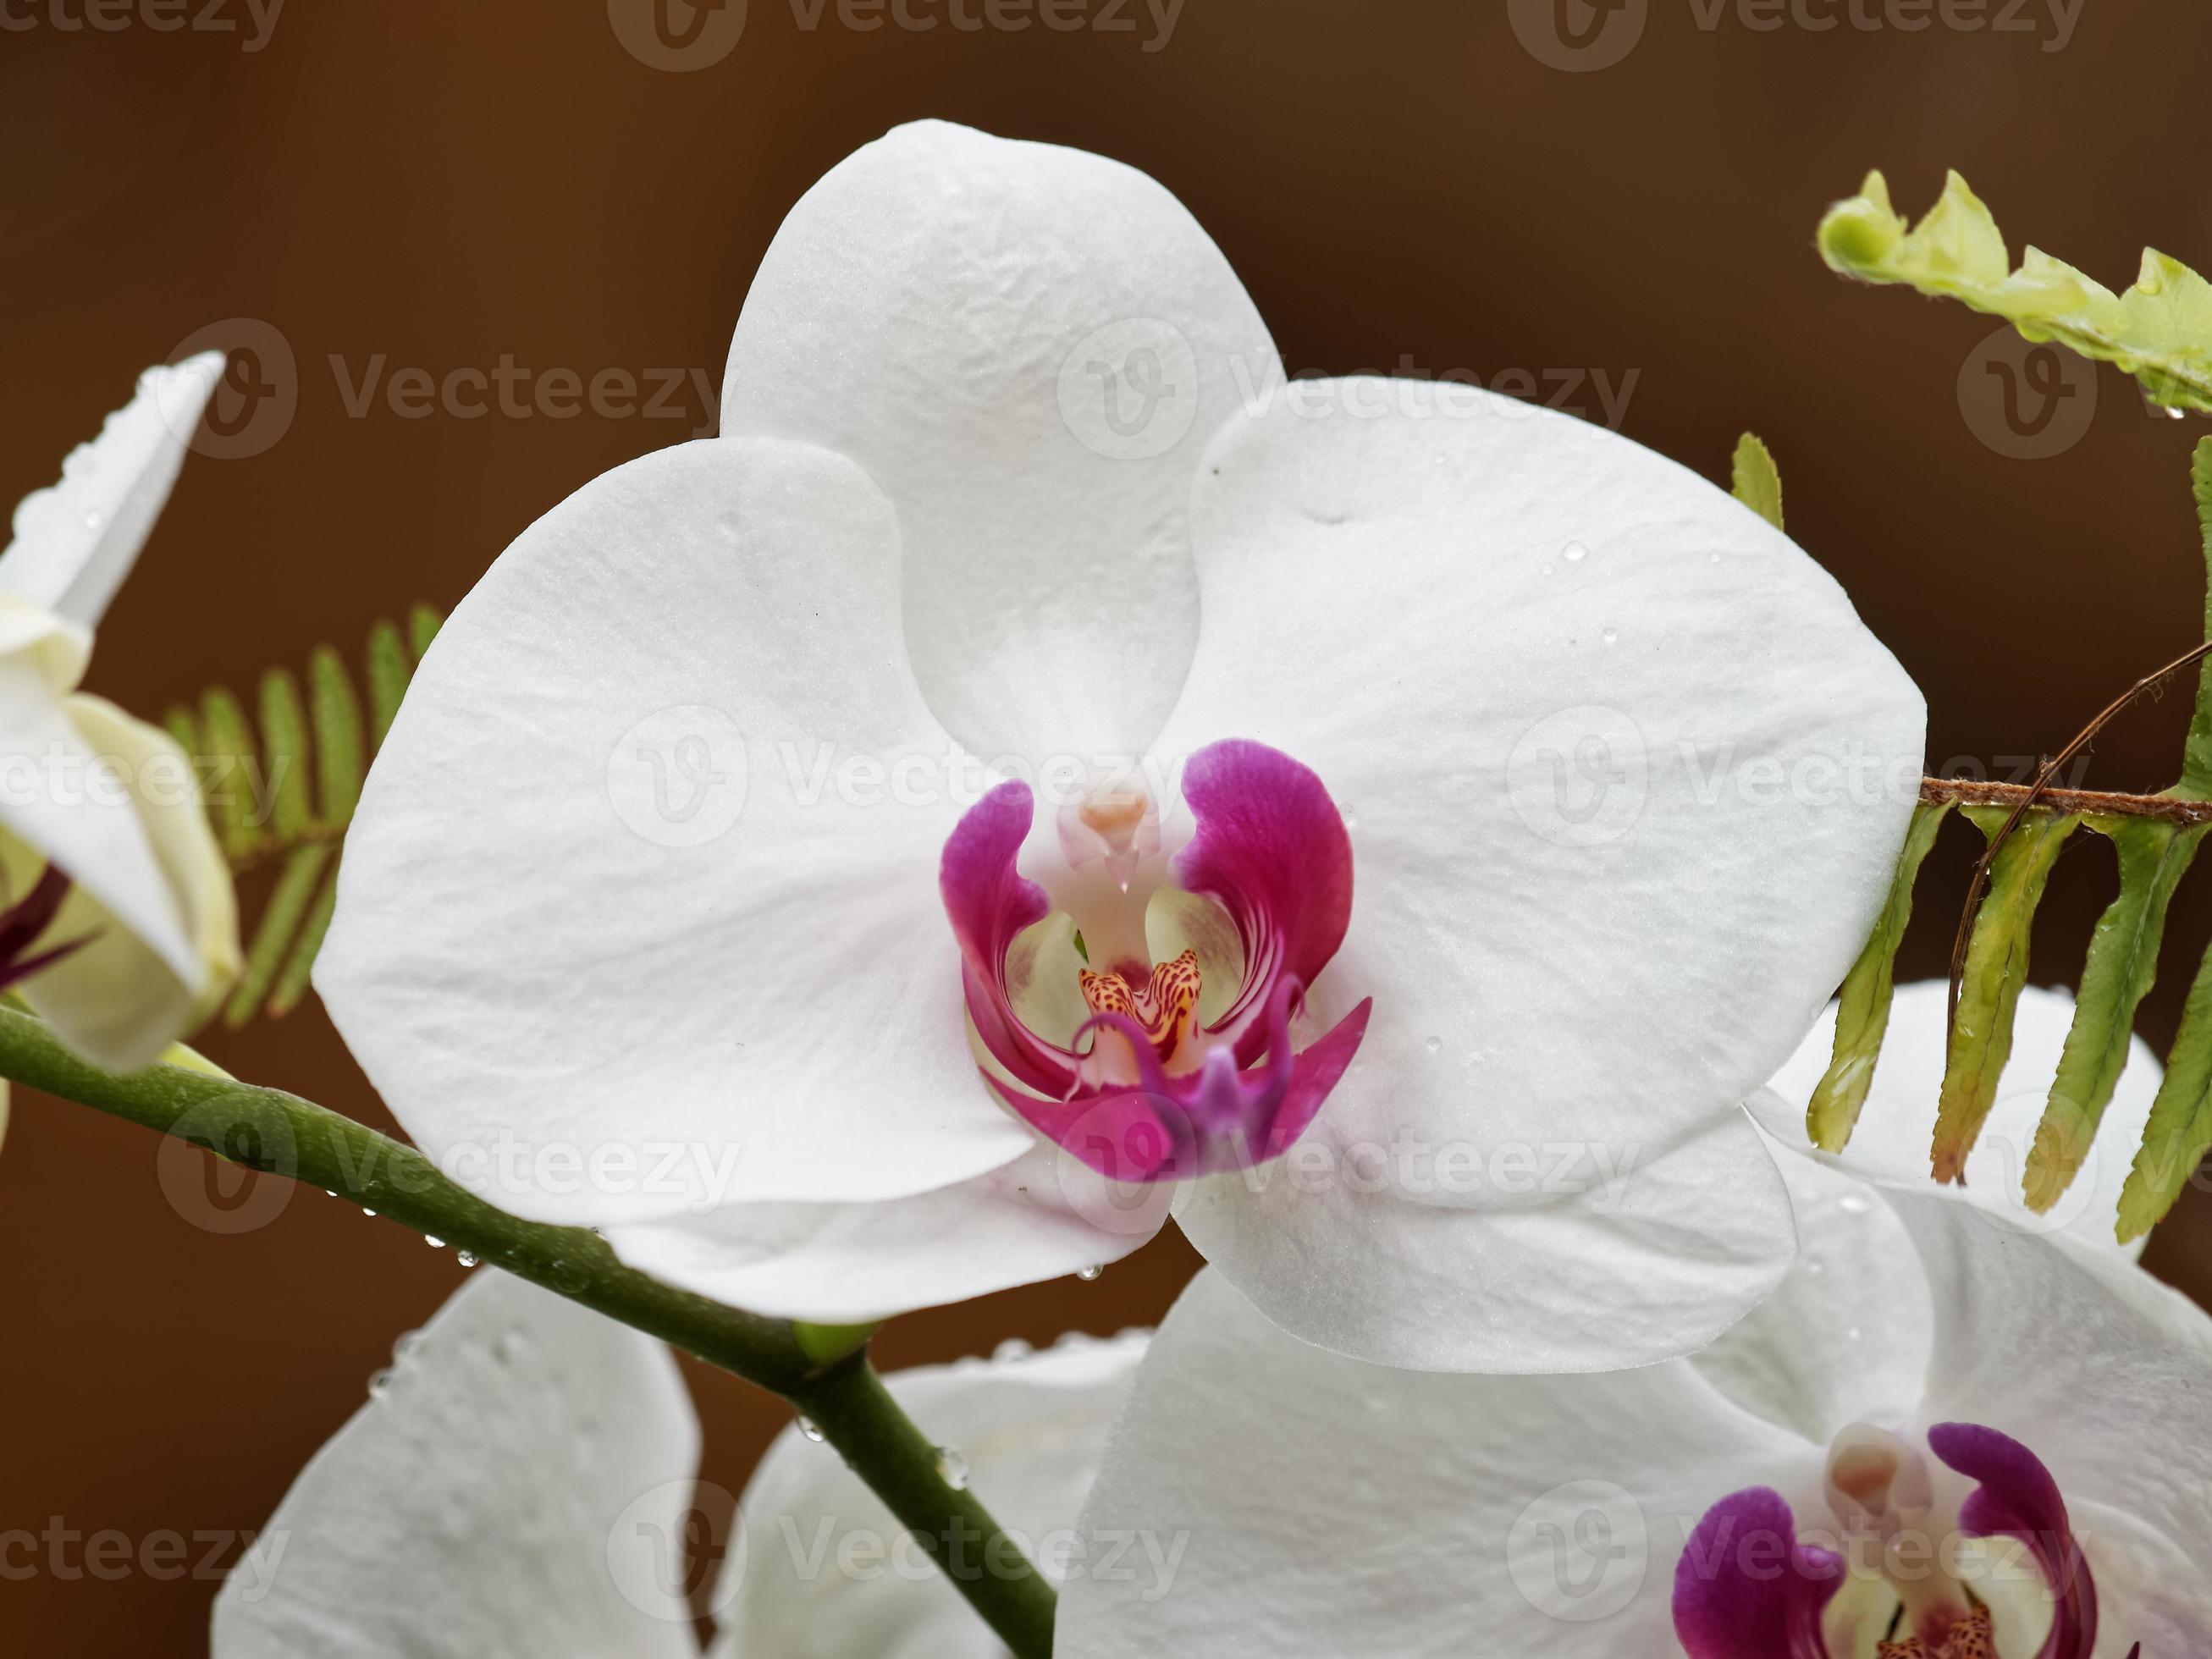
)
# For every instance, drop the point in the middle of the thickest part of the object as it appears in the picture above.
(1145, 1090)
(1892, 1561)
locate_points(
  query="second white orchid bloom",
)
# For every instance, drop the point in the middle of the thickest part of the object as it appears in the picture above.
(121, 927)
(1029, 682)
(1958, 1431)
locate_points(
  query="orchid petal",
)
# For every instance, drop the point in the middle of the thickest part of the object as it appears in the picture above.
(1032, 1429)
(121, 988)
(2078, 1352)
(1038, 1217)
(738, 990)
(1027, 347)
(1890, 1146)
(75, 541)
(505, 1494)
(1327, 1506)
(1627, 775)
(1846, 1337)
(1394, 1249)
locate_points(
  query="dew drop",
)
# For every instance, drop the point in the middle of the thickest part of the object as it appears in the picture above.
(952, 1467)
(467, 1258)
(808, 1427)
(378, 1384)
(1611, 636)
(327, 1192)
(1090, 1274)
(435, 1243)
(1434, 1045)
(1814, 1266)
(1712, 558)
(94, 518)
(1855, 1204)
(368, 1211)
(403, 1349)
(1012, 1349)
(1576, 553)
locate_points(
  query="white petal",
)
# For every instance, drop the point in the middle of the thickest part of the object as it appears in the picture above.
(1846, 1338)
(2078, 1354)
(505, 1496)
(857, 1263)
(828, 1574)
(75, 541)
(1897, 1127)
(594, 1003)
(122, 996)
(942, 307)
(1325, 1506)
(1402, 1254)
(1626, 775)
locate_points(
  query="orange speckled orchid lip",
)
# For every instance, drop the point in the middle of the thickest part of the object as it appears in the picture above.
(1747, 1589)
(1271, 849)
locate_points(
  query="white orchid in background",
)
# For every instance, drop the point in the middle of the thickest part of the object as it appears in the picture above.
(1938, 1429)
(121, 927)
(704, 865)
(520, 1486)
(1945, 1435)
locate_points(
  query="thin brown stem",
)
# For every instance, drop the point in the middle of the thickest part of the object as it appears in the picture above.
(2040, 789)
(1970, 792)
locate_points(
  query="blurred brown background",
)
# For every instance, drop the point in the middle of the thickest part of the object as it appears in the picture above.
(1403, 183)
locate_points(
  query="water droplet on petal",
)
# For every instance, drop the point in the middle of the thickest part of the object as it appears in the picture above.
(1576, 553)
(1434, 1045)
(808, 1427)
(367, 1212)
(1611, 636)
(403, 1349)
(327, 1192)
(1013, 1348)
(467, 1259)
(94, 518)
(1855, 1203)
(1090, 1274)
(435, 1243)
(952, 1467)
(378, 1384)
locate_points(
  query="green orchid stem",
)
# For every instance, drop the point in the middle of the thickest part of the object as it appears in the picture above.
(279, 1134)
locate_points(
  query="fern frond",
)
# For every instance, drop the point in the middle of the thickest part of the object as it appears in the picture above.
(281, 795)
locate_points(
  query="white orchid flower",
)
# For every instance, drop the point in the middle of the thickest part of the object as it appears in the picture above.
(522, 1486)
(1956, 1430)
(122, 926)
(1892, 1145)
(705, 865)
